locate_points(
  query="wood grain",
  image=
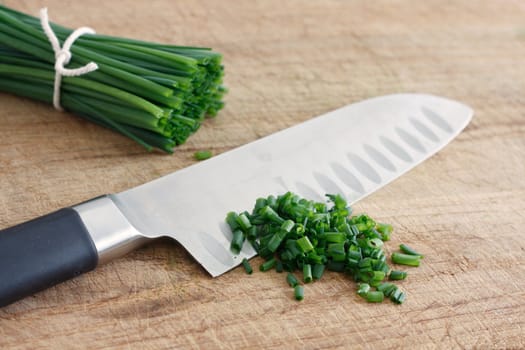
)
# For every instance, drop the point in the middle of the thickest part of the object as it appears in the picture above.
(286, 62)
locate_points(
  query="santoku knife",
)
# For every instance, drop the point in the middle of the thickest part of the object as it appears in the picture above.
(352, 151)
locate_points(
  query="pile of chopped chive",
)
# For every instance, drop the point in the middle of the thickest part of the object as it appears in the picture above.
(155, 94)
(295, 234)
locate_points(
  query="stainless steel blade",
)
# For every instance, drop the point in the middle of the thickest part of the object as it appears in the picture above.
(354, 151)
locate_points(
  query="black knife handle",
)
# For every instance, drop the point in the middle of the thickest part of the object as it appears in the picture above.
(43, 252)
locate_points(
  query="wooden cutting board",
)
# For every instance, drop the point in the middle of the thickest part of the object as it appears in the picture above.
(286, 62)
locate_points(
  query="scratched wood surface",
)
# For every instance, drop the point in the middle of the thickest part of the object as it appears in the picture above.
(288, 61)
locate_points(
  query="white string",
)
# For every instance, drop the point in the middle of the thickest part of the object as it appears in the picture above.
(63, 55)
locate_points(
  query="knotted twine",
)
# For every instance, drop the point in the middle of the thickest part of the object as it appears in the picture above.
(63, 55)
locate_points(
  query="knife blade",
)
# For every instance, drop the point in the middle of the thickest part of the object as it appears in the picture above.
(353, 151)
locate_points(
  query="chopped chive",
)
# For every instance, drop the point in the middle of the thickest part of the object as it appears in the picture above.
(385, 230)
(304, 244)
(333, 237)
(318, 271)
(299, 292)
(287, 226)
(397, 275)
(375, 243)
(408, 250)
(243, 222)
(405, 259)
(378, 276)
(375, 297)
(390, 290)
(336, 251)
(279, 266)
(231, 220)
(202, 155)
(271, 201)
(255, 245)
(395, 294)
(271, 215)
(337, 266)
(314, 258)
(363, 289)
(259, 204)
(352, 263)
(292, 280)
(293, 247)
(354, 254)
(385, 287)
(374, 283)
(247, 266)
(354, 229)
(295, 234)
(265, 253)
(237, 241)
(366, 263)
(276, 240)
(251, 233)
(398, 297)
(267, 265)
(307, 273)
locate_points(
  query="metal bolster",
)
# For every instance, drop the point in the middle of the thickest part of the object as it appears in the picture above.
(110, 230)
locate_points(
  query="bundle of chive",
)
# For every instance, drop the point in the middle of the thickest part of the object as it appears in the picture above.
(155, 94)
(292, 233)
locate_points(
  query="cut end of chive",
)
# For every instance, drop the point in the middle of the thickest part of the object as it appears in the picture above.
(363, 289)
(307, 273)
(304, 244)
(299, 292)
(247, 266)
(408, 250)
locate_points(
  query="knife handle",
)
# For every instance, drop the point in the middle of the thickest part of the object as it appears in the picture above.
(43, 252)
(40, 253)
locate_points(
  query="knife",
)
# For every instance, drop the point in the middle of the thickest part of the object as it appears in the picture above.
(352, 151)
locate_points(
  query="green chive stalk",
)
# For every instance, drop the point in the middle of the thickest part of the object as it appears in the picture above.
(247, 266)
(156, 94)
(299, 292)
